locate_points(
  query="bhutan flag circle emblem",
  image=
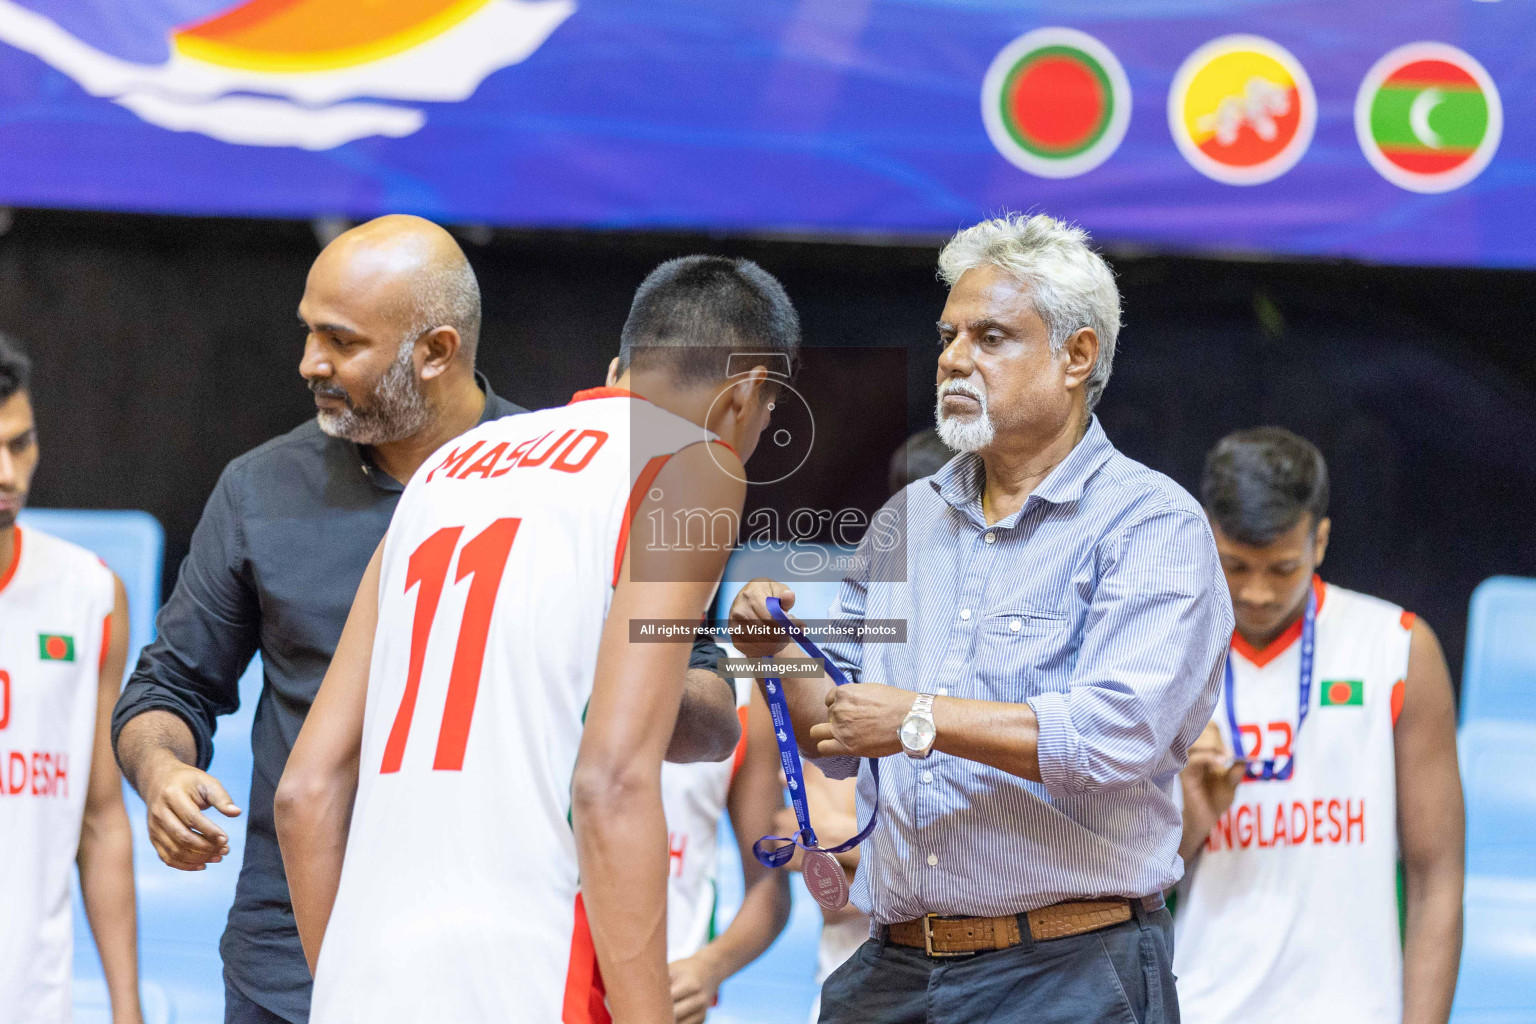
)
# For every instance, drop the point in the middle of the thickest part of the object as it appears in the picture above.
(1428, 117)
(1242, 110)
(1056, 102)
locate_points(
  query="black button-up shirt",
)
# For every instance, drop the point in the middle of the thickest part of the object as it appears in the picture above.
(273, 567)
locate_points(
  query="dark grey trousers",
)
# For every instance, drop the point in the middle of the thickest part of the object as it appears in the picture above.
(1120, 975)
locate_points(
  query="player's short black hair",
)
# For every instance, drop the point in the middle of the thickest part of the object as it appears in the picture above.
(923, 454)
(1259, 482)
(691, 314)
(15, 367)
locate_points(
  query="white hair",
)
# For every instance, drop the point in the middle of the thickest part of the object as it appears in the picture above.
(1070, 284)
(965, 435)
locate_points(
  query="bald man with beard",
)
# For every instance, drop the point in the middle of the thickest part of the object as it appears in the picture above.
(391, 314)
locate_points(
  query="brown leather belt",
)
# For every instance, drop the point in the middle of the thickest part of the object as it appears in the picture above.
(962, 936)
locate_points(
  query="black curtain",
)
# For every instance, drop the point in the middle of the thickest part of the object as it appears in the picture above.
(167, 346)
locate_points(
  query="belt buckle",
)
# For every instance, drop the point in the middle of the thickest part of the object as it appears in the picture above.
(928, 941)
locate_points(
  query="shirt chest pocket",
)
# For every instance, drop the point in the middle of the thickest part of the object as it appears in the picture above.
(1021, 653)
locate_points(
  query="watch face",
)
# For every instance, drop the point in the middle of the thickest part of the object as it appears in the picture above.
(916, 733)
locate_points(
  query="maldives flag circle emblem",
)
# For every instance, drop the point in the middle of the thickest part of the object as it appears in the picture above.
(1242, 110)
(1056, 102)
(1428, 117)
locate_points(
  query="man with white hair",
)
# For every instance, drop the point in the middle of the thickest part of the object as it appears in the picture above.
(1062, 652)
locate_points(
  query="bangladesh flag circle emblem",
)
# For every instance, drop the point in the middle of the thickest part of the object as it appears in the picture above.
(1056, 102)
(1242, 110)
(1428, 117)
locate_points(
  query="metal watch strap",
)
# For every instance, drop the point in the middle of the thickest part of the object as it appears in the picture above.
(922, 708)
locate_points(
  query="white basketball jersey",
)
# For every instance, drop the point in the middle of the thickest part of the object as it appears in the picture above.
(1290, 908)
(55, 612)
(459, 897)
(694, 797)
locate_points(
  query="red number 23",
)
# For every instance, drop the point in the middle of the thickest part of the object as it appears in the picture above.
(484, 557)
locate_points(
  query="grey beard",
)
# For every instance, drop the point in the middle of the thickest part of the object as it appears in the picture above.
(965, 435)
(396, 409)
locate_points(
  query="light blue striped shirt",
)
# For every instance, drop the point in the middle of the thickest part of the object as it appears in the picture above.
(1101, 604)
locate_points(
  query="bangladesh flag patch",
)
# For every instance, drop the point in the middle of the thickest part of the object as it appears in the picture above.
(1056, 102)
(55, 647)
(1428, 117)
(1343, 693)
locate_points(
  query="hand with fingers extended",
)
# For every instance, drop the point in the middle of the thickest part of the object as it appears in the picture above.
(753, 630)
(175, 798)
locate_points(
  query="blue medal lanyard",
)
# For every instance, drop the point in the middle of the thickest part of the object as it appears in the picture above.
(789, 757)
(1304, 701)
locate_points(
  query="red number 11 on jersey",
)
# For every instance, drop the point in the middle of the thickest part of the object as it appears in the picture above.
(484, 557)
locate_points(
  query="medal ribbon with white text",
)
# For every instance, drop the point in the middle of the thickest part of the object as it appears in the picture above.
(1267, 770)
(823, 874)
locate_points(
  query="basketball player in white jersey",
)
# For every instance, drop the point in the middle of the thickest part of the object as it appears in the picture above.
(63, 642)
(1338, 710)
(693, 797)
(486, 749)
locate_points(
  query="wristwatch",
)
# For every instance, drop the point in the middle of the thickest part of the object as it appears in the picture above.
(918, 732)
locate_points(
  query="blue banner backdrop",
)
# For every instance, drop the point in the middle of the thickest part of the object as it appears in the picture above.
(822, 116)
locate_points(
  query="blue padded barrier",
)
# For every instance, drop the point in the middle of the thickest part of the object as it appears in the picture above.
(1497, 749)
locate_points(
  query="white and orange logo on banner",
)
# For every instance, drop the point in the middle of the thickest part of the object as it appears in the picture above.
(308, 73)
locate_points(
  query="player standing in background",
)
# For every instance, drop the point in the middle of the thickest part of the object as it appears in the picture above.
(1343, 709)
(514, 867)
(921, 455)
(63, 644)
(693, 797)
